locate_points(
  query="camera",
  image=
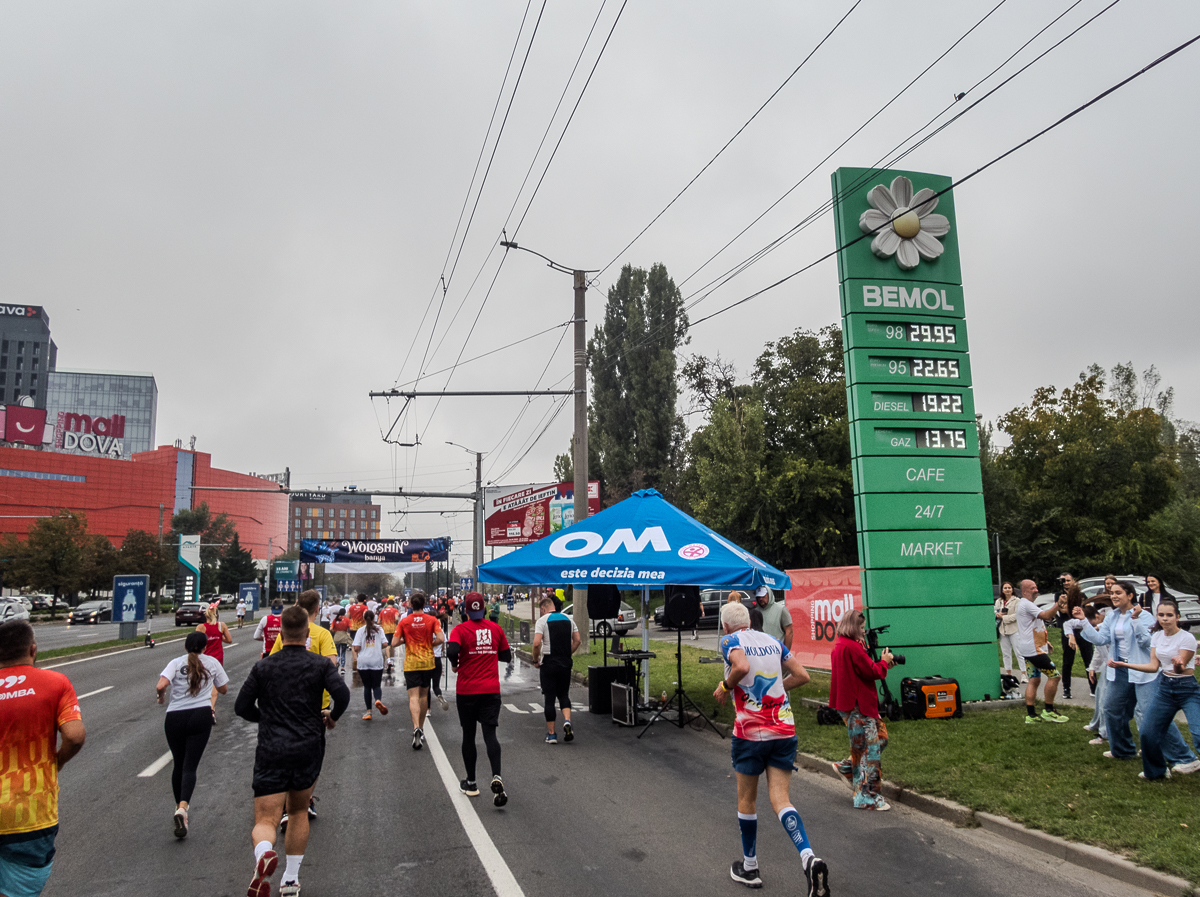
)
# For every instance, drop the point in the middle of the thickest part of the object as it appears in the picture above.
(873, 633)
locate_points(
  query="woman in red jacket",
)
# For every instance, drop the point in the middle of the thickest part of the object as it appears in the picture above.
(852, 693)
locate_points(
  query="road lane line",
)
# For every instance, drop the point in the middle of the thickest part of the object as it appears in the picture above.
(154, 767)
(96, 692)
(536, 706)
(55, 666)
(515, 709)
(504, 883)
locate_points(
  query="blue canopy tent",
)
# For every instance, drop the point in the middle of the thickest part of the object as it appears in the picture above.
(642, 542)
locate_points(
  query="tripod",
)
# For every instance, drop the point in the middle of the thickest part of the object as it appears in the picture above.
(680, 695)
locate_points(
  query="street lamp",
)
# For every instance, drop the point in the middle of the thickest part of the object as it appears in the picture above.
(477, 517)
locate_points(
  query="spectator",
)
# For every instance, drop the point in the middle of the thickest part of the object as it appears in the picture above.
(852, 694)
(1006, 627)
(1034, 646)
(1155, 592)
(39, 708)
(777, 622)
(1126, 631)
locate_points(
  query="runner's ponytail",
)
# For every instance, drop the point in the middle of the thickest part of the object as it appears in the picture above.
(197, 674)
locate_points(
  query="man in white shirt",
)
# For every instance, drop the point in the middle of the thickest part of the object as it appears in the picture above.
(1038, 664)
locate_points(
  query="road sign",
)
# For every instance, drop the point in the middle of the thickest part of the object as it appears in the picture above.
(129, 598)
(465, 583)
(249, 592)
(323, 591)
(287, 585)
(287, 569)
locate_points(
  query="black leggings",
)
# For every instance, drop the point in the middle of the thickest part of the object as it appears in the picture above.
(1068, 659)
(436, 685)
(470, 753)
(187, 734)
(371, 680)
(556, 684)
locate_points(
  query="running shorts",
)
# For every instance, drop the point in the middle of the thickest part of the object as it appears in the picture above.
(25, 861)
(1038, 664)
(751, 758)
(270, 779)
(418, 678)
(482, 709)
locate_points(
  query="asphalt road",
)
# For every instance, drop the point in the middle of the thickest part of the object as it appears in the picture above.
(606, 815)
(59, 635)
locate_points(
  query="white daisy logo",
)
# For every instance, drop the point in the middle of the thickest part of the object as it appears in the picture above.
(904, 225)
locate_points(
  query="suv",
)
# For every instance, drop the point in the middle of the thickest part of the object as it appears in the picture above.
(190, 613)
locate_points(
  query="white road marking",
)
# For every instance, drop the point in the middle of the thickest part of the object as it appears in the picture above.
(504, 883)
(155, 766)
(515, 709)
(96, 692)
(536, 706)
(97, 657)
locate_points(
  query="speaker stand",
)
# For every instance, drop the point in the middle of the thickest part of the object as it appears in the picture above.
(680, 697)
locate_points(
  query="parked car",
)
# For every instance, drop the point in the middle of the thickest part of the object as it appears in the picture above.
(44, 602)
(1189, 610)
(190, 613)
(625, 620)
(711, 601)
(91, 612)
(11, 609)
(1092, 586)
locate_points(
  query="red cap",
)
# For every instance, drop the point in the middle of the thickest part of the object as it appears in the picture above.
(474, 603)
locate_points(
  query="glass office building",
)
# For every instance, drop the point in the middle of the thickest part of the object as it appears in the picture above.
(27, 354)
(107, 413)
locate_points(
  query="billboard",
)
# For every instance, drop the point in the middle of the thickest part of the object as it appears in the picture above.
(518, 515)
(392, 556)
(817, 601)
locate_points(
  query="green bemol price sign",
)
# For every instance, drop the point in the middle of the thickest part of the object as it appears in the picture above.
(918, 491)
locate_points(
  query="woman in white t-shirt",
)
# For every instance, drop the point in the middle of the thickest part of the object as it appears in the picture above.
(1173, 650)
(368, 655)
(190, 679)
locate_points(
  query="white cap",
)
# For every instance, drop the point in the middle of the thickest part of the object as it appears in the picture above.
(762, 590)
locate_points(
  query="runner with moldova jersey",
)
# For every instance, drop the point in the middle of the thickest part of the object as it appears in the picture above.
(418, 633)
(269, 628)
(759, 699)
(36, 706)
(475, 649)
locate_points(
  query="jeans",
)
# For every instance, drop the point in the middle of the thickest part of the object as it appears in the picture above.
(1174, 694)
(1099, 720)
(1126, 700)
(1008, 654)
(341, 650)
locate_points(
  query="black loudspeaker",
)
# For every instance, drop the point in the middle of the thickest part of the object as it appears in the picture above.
(603, 602)
(682, 607)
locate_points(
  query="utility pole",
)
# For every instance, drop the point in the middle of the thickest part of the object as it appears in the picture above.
(580, 461)
(477, 522)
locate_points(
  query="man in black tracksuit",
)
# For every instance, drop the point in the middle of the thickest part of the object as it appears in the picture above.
(283, 694)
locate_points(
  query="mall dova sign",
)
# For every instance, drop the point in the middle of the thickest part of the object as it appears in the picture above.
(81, 432)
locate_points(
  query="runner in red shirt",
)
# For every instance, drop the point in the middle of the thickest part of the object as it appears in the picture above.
(419, 632)
(389, 615)
(36, 707)
(217, 634)
(475, 649)
(269, 628)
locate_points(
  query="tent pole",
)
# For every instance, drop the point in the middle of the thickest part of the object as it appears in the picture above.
(645, 645)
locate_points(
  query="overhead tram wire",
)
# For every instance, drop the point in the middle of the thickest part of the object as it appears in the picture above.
(982, 168)
(470, 188)
(730, 141)
(883, 162)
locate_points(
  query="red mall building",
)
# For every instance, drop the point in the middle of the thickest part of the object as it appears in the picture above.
(118, 496)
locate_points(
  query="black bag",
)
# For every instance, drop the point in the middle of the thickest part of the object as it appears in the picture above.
(930, 697)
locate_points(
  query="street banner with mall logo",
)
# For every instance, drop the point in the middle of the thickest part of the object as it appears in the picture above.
(817, 601)
(914, 443)
(519, 515)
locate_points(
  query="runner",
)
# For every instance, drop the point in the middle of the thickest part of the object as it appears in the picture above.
(447, 624)
(283, 694)
(355, 611)
(36, 708)
(186, 724)
(328, 612)
(419, 632)
(268, 628)
(342, 639)
(388, 617)
(217, 635)
(368, 651)
(760, 671)
(475, 649)
(241, 612)
(555, 639)
(319, 642)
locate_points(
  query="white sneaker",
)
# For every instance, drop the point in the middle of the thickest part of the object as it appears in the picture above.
(1186, 768)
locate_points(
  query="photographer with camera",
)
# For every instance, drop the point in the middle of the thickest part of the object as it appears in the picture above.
(852, 694)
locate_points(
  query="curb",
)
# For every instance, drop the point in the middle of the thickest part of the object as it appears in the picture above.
(1096, 859)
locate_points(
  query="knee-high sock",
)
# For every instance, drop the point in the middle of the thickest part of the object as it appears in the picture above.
(748, 823)
(794, 827)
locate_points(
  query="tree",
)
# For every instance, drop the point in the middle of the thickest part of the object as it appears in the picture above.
(98, 565)
(142, 554)
(237, 567)
(634, 426)
(215, 531)
(51, 557)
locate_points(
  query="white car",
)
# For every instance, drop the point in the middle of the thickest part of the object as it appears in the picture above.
(625, 620)
(11, 609)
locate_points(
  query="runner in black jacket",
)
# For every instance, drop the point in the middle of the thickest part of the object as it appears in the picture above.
(283, 694)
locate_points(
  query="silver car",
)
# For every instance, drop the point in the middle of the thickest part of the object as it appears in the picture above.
(625, 620)
(12, 610)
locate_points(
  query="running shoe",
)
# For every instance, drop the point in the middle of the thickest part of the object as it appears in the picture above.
(817, 875)
(551, 738)
(381, 707)
(568, 732)
(1052, 717)
(282, 826)
(1186, 768)
(1030, 720)
(260, 885)
(312, 808)
(289, 889)
(498, 789)
(367, 716)
(1142, 775)
(749, 877)
(418, 739)
(181, 823)
(443, 702)
(469, 788)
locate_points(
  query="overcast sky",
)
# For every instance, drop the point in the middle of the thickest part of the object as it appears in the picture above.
(256, 202)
